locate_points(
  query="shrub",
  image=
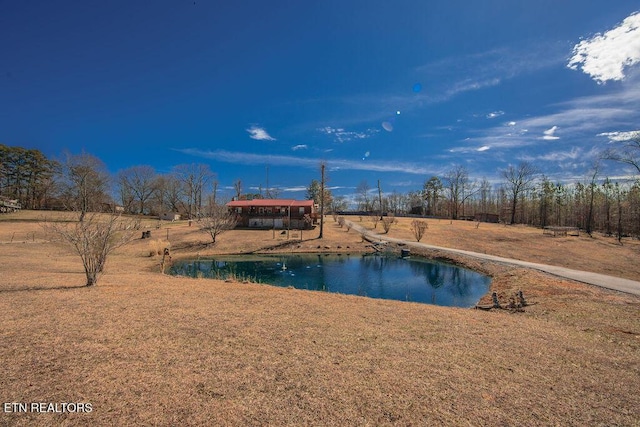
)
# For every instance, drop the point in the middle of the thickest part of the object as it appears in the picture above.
(419, 227)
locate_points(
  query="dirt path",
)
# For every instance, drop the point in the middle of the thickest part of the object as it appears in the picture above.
(601, 280)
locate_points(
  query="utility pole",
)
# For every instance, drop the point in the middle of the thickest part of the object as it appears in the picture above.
(268, 195)
(322, 165)
(380, 199)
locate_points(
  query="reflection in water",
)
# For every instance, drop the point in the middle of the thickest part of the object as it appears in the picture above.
(373, 276)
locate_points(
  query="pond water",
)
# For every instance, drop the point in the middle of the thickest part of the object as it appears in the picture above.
(375, 276)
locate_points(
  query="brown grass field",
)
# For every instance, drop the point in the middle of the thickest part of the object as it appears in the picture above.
(148, 349)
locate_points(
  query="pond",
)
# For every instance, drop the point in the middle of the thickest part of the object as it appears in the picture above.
(374, 276)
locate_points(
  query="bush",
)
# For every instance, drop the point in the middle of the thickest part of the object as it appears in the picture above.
(387, 222)
(419, 227)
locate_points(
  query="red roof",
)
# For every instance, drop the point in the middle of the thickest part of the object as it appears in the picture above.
(269, 202)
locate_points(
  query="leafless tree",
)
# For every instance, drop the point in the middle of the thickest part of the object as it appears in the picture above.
(517, 181)
(592, 192)
(419, 227)
(237, 185)
(171, 193)
(194, 178)
(93, 239)
(459, 188)
(432, 192)
(363, 198)
(628, 152)
(217, 220)
(387, 222)
(85, 181)
(139, 183)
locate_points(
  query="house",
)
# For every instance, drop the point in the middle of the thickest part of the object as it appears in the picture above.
(170, 216)
(274, 213)
(8, 205)
(487, 217)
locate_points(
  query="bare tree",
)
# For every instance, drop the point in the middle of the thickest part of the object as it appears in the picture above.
(387, 222)
(518, 180)
(194, 177)
(85, 181)
(139, 182)
(432, 191)
(171, 192)
(217, 220)
(592, 191)
(459, 188)
(237, 185)
(93, 239)
(419, 227)
(628, 152)
(363, 198)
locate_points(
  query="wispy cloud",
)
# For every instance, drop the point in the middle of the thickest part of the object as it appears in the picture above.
(485, 69)
(605, 56)
(342, 135)
(549, 134)
(580, 119)
(256, 132)
(307, 162)
(621, 136)
(556, 156)
(299, 147)
(495, 114)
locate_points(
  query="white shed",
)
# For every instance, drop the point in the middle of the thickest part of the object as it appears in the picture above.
(170, 216)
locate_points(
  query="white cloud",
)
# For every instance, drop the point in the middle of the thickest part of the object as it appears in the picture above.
(511, 124)
(259, 133)
(605, 56)
(335, 164)
(483, 148)
(495, 114)
(549, 134)
(342, 135)
(299, 147)
(485, 69)
(621, 136)
(557, 156)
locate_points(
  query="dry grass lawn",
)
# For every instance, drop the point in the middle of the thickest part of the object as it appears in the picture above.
(148, 349)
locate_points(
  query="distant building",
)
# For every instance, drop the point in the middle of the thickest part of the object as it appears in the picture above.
(170, 216)
(9, 205)
(487, 217)
(275, 213)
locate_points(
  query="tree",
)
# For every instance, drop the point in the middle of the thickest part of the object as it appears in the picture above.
(139, 183)
(628, 153)
(432, 191)
(459, 188)
(237, 186)
(321, 195)
(26, 176)
(395, 201)
(387, 222)
(592, 192)
(338, 204)
(93, 239)
(314, 192)
(518, 180)
(85, 182)
(419, 227)
(216, 221)
(362, 197)
(193, 177)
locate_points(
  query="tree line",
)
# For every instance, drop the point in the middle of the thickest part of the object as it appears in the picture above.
(524, 196)
(81, 182)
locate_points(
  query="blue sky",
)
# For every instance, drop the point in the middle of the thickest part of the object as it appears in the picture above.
(391, 91)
